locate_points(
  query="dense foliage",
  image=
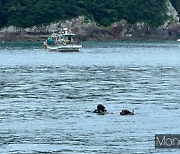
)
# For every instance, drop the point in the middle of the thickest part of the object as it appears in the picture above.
(27, 13)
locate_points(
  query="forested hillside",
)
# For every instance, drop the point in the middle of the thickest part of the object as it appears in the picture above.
(27, 13)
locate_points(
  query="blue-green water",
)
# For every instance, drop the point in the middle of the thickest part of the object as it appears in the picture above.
(44, 97)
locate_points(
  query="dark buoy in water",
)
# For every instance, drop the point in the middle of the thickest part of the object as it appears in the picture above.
(126, 112)
(100, 109)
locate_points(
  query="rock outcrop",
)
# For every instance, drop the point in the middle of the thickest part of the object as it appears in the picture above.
(172, 12)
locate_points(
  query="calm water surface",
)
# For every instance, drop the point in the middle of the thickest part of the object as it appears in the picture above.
(45, 96)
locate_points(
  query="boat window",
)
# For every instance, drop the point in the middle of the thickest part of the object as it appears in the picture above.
(69, 38)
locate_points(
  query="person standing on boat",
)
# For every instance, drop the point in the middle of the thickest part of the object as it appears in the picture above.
(70, 31)
(45, 45)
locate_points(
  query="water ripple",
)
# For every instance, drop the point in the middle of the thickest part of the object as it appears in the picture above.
(44, 107)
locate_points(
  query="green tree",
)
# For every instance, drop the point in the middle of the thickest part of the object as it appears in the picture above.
(3, 13)
(27, 13)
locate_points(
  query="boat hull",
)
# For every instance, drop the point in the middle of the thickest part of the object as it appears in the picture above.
(63, 48)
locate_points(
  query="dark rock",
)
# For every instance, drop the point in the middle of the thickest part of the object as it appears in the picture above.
(90, 31)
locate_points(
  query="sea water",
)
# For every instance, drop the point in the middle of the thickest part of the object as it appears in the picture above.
(45, 97)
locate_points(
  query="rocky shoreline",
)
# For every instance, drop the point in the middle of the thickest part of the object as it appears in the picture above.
(88, 30)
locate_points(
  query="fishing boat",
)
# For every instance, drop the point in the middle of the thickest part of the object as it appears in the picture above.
(178, 40)
(62, 42)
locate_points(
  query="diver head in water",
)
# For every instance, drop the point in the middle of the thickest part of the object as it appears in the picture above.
(100, 109)
(126, 112)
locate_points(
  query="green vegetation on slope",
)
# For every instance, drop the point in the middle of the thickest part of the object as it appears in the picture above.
(27, 13)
